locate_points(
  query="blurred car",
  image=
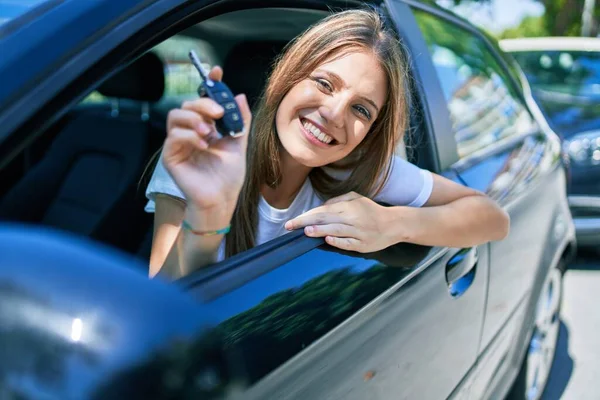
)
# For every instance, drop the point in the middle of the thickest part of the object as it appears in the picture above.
(85, 89)
(564, 75)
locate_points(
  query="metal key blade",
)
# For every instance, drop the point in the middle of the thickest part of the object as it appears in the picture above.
(198, 65)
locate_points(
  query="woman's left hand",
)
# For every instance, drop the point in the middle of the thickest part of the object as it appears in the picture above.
(349, 222)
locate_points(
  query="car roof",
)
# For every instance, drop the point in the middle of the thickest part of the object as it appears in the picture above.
(551, 43)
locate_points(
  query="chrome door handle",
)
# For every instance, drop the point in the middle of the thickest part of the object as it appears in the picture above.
(460, 271)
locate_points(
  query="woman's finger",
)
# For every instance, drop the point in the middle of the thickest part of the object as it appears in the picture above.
(314, 218)
(189, 119)
(179, 138)
(216, 73)
(338, 230)
(205, 106)
(344, 243)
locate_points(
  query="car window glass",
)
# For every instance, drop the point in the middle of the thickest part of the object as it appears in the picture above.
(484, 107)
(181, 78)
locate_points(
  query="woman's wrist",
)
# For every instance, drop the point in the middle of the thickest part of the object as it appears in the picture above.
(209, 219)
(399, 223)
(203, 230)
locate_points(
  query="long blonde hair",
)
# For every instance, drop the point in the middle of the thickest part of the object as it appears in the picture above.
(331, 37)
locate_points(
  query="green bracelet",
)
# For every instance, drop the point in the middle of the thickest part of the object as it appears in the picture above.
(185, 225)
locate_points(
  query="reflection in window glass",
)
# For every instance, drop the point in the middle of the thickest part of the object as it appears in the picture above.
(483, 108)
(275, 316)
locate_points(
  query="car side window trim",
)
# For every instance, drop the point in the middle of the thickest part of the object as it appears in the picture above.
(220, 278)
(427, 90)
(235, 271)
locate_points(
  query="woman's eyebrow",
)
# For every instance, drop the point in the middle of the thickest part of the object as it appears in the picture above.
(341, 82)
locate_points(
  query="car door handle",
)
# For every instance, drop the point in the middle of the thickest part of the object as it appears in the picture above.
(460, 271)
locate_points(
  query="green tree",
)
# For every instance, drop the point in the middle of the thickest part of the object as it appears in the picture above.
(561, 18)
(529, 27)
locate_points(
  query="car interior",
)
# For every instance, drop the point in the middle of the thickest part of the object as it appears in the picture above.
(88, 172)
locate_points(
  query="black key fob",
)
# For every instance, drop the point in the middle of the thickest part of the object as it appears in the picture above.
(231, 123)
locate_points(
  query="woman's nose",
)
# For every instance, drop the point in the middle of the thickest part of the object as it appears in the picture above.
(333, 112)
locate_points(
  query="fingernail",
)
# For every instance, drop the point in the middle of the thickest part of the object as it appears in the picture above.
(309, 229)
(217, 108)
(288, 225)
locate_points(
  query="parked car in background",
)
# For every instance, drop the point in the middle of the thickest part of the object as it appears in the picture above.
(84, 92)
(564, 75)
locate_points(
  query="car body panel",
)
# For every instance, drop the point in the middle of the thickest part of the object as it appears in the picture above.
(352, 341)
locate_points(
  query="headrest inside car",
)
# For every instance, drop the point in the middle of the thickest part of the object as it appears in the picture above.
(142, 80)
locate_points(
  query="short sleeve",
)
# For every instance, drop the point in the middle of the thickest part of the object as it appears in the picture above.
(407, 185)
(161, 182)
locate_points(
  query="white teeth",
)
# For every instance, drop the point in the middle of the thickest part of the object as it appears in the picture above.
(317, 133)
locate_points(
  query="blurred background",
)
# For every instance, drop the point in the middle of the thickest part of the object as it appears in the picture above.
(529, 18)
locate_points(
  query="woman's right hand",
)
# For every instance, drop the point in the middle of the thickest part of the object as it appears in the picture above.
(209, 170)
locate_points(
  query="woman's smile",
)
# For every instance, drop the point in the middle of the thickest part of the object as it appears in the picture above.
(316, 134)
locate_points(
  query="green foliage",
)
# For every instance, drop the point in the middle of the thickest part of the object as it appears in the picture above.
(561, 18)
(529, 27)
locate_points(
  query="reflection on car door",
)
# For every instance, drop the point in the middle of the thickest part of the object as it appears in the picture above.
(506, 155)
(336, 325)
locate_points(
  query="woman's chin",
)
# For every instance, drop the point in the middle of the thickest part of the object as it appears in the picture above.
(309, 159)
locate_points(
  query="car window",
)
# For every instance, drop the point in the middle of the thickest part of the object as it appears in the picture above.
(181, 78)
(484, 107)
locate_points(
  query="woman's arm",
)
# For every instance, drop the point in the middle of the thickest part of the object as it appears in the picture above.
(454, 216)
(168, 215)
(170, 241)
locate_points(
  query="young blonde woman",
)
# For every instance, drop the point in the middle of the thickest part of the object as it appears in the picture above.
(319, 157)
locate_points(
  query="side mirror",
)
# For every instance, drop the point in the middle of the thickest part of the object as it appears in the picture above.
(80, 320)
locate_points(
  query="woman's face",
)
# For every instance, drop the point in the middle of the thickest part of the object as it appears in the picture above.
(324, 117)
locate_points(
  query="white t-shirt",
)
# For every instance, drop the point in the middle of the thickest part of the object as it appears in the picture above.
(408, 185)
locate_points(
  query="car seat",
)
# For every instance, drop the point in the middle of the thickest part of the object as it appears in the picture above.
(87, 181)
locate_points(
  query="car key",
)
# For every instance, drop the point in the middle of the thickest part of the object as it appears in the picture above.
(231, 123)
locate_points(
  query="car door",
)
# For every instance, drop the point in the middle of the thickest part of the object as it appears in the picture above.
(505, 153)
(303, 320)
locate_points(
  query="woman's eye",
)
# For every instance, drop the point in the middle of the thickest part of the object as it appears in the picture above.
(364, 112)
(324, 84)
